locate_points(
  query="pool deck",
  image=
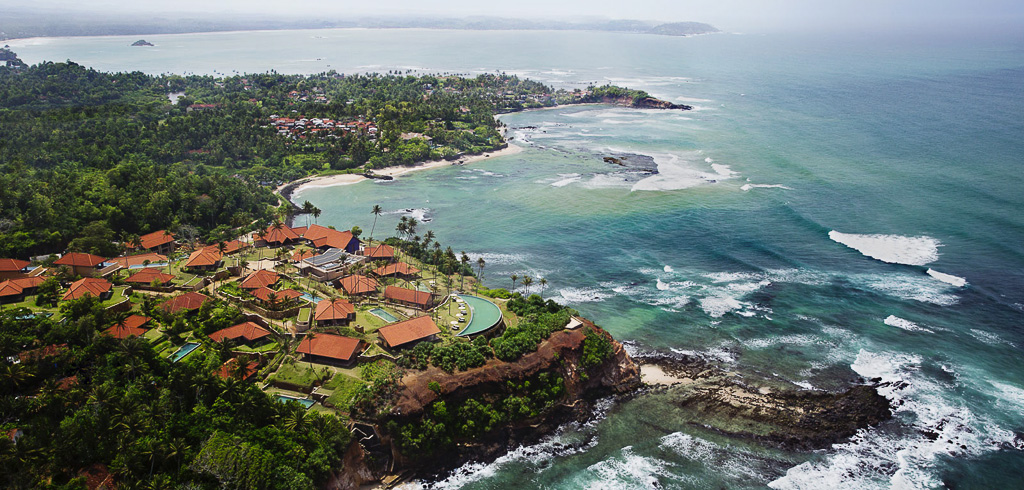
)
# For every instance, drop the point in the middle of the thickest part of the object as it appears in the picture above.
(484, 315)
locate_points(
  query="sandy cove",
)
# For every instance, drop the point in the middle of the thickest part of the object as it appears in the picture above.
(395, 172)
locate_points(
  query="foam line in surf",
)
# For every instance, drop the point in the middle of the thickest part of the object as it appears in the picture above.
(894, 249)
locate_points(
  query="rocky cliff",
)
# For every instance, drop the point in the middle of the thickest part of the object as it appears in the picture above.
(644, 103)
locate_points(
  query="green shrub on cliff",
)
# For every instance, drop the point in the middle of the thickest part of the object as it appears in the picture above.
(596, 348)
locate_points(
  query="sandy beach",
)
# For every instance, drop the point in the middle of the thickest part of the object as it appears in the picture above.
(395, 172)
(653, 374)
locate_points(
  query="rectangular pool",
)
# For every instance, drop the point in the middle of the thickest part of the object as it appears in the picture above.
(305, 402)
(184, 351)
(384, 315)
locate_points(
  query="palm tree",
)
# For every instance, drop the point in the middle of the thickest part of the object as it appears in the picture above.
(427, 238)
(543, 282)
(527, 280)
(514, 277)
(480, 265)
(410, 226)
(307, 209)
(316, 214)
(376, 212)
(462, 272)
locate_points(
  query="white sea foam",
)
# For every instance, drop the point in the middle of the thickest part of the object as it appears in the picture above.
(668, 268)
(895, 249)
(948, 278)
(905, 457)
(748, 187)
(675, 173)
(498, 258)
(626, 471)
(723, 459)
(581, 295)
(895, 321)
(717, 354)
(566, 180)
(990, 338)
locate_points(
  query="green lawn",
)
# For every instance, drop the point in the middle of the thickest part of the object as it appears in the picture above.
(345, 388)
(298, 373)
(268, 347)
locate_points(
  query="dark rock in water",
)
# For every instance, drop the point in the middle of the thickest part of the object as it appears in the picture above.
(142, 42)
(634, 163)
(793, 419)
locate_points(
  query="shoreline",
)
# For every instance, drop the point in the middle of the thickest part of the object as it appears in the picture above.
(290, 189)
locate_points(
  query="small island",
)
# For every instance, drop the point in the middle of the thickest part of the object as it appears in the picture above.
(142, 42)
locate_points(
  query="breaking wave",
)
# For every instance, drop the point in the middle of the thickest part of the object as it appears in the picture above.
(894, 249)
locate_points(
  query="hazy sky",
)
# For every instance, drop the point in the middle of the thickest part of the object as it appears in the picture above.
(730, 15)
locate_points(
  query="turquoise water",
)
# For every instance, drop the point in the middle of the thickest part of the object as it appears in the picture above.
(305, 402)
(310, 298)
(908, 148)
(384, 315)
(183, 351)
(484, 315)
(143, 266)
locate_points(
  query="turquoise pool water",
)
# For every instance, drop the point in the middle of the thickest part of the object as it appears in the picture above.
(485, 315)
(144, 266)
(305, 402)
(184, 351)
(310, 298)
(383, 315)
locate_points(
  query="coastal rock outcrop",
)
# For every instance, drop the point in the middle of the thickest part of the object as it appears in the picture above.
(645, 103)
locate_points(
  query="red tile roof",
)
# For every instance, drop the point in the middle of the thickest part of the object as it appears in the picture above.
(155, 239)
(12, 265)
(228, 367)
(188, 301)
(356, 284)
(322, 236)
(280, 235)
(132, 326)
(248, 331)
(203, 258)
(42, 352)
(229, 247)
(327, 310)
(89, 286)
(260, 279)
(78, 259)
(401, 333)
(9, 288)
(140, 259)
(263, 294)
(379, 252)
(331, 346)
(404, 295)
(147, 275)
(398, 268)
(15, 287)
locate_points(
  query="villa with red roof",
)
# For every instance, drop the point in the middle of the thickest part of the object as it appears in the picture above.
(203, 260)
(88, 286)
(81, 264)
(356, 285)
(264, 294)
(229, 247)
(325, 348)
(260, 279)
(13, 268)
(408, 333)
(229, 369)
(400, 269)
(189, 301)
(323, 238)
(409, 297)
(161, 242)
(148, 276)
(130, 327)
(146, 259)
(380, 252)
(334, 312)
(247, 333)
(277, 236)
(15, 290)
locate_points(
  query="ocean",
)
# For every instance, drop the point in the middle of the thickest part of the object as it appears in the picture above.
(835, 207)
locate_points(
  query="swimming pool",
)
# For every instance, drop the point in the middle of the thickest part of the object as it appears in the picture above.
(144, 266)
(484, 315)
(310, 298)
(383, 315)
(305, 402)
(184, 351)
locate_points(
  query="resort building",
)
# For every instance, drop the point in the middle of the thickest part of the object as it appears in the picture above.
(15, 290)
(150, 259)
(13, 268)
(334, 312)
(161, 242)
(322, 237)
(81, 264)
(380, 252)
(189, 301)
(130, 327)
(409, 297)
(229, 247)
(229, 370)
(150, 276)
(357, 285)
(260, 279)
(276, 236)
(270, 297)
(327, 266)
(408, 333)
(301, 255)
(247, 333)
(88, 286)
(397, 269)
(325, 348)
(203, 260)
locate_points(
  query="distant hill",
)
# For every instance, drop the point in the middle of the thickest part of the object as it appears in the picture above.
(22, 23)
